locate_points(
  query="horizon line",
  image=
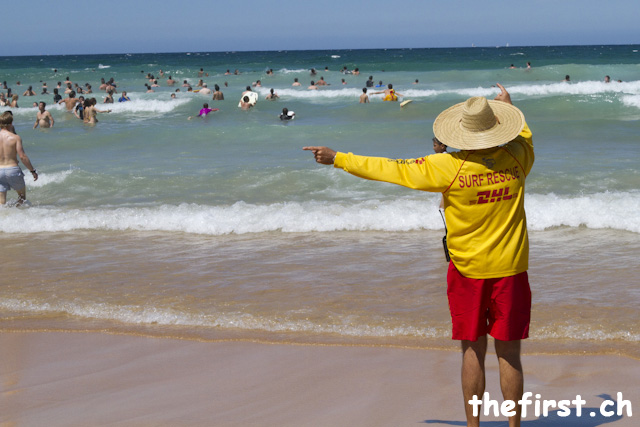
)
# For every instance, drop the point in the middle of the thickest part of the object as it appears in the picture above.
(507, 46)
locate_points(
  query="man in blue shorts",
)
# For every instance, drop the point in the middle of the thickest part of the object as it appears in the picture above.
(11, 176)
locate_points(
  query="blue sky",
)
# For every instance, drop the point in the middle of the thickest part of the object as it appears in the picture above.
(118, 26)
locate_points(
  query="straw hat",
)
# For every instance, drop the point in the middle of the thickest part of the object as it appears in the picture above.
(477, 123)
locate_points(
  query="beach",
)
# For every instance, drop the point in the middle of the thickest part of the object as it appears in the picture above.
(73, 379)
(168, 271)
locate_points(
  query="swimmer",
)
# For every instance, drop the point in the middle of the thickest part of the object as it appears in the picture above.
(204, 111)
(200, 73)
(287, 115)
(245, 104)
(109, 98)
(607, 79)
(247, 90)
(170, 81)
(29, 92)
(567, 78)
(205, 90)
(123, 98)
(416, 82)
(364, 98)
(185, 83)
(92, 113)
(200, 83)
(370, 82)
(257, 84)
(389, 93)
(56, 96)
(296, 82)
(149, 90)
(217, 95)
(43, 118)
(438, 147)
(14, 101)
(272, 95)
(356, 72)
(321, 82)
(313, 86)
(173, 96)
(79, 110)
(380, 84)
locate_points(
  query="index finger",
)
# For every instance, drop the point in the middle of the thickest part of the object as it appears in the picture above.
(310, 148)
(502, 89)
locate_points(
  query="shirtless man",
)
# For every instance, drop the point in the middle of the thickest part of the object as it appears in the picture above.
(313, 86)
(43, 118)
(69, 102)
(321, 82)
(170, 81)
(11, 175)
(364, 98)
(205, 90)
(217, 95)
(245, 104)
(201, 72)
(296, 82)
(246, 91)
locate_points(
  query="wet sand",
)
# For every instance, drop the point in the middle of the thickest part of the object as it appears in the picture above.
(79, 379)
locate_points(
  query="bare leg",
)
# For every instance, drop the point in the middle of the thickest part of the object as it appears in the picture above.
(511, 376)
(22, 196)
(473, 381)
(3, 198)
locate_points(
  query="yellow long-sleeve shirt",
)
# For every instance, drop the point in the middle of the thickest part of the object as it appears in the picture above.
(483, 194)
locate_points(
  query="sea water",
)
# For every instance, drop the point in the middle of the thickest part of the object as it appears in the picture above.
(223, 227)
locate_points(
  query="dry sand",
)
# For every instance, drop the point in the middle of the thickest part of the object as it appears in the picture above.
(93, 379)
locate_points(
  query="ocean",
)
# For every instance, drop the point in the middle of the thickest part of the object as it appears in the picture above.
(223, 228)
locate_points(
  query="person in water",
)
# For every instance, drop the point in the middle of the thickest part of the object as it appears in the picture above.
(11, 176)
(272, 95)
(217, 95)
(287, 115)
(364, 98)
(389, 93)
(204, 111)
(43, 118)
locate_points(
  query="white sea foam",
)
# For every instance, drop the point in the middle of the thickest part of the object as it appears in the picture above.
(597, 211)
(141, 315)
(631, 100)
(146, 105)
(47, 178)
(344, 325)
(100, 66)
(525, 91)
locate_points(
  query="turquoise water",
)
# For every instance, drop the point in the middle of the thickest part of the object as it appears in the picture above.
(146, 168)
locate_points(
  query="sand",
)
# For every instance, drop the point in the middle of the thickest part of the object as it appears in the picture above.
(94, 379)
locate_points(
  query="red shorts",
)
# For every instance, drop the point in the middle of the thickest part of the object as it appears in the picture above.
(499, 307)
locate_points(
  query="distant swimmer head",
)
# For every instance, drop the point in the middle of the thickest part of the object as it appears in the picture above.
(216, 87)
(205, 105)
(364, 90)
(438, 146)
(390, 86)
(248, 88)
